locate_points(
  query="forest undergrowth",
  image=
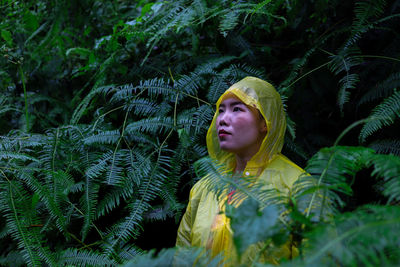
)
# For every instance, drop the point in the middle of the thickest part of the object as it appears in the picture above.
(105, 105)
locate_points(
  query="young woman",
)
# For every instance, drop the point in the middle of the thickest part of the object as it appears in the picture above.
(246, 135)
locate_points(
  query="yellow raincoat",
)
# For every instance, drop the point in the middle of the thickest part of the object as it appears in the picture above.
(204, 223)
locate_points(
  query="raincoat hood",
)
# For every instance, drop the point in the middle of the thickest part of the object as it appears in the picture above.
(262, 95)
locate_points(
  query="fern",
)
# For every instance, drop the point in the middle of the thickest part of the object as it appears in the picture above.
(108, 137)
(343, 62)
(332, 171)
(85, 258)
(229, 21)
(79, 111)
(352, 239)
(148, 189)
(387, 167)
(15, 206)
(88, 203)
(382, 89)
(144, 107)
(151, 125)
(168, 257)
(382, 115)
(386, 146)
(52, 200)
(16, 156)
(139, 100)
(364, 11)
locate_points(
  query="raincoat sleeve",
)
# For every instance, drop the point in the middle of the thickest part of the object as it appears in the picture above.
(184, 236)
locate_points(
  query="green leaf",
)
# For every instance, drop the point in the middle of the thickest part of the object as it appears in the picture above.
(6, 35)
(84, 52)
(251, 225)
(31, 21)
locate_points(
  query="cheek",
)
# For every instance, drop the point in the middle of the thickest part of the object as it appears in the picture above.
(246, 123)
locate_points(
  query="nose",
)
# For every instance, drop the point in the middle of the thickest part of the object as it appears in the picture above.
(223, 118)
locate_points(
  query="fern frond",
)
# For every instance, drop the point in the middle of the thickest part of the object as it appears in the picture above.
(296, 148)
(343, 62)
(228, 22)
(88, 203)
(129, 251)
(364, 12)
(159, 213)
(13, 258)
(349, 81)
(331, 170)
(201, 9)
(197, 120)
(382, 115)
(85, 258)
(152, 125)
(17, 156)
(237, 72)
(188, 84)
(15, 206)
(115, 174)
(217, 87)
(157, 87)
(387, 167)
(89, 199)
(386, 146)
(149, 188)
(112, 198)
(298, 63)
(106, 137)
(339, 243)
(212, 63)
(382, 89)
(81, 108)
(53, 200)
(219, 180)
(144, 107)
(99, 166)
(175, 257)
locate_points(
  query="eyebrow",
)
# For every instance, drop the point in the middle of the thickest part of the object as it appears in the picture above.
(233, 104)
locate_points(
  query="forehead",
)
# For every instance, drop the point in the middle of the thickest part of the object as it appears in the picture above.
(231, 99)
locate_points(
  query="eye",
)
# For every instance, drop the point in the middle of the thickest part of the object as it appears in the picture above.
(220, 111)
(237, 109)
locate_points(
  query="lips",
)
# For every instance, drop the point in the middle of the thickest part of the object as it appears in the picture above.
(222, 133)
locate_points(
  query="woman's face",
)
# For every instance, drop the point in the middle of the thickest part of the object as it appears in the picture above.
(240, 128)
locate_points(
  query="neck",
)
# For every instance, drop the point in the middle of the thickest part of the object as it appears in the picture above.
(241, 163)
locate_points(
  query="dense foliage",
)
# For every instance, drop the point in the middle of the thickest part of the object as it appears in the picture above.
(104, 107)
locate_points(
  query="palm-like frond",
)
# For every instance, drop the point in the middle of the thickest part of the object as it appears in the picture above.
(382, 115)
(218, 86)
(22, 221)
(85, 258)
(343, 62)
(79, 111)
(106, 137)
(383, 89)
(175, 257)
(386, 146)
(364, 11)
(361, 237)
(331, 170)
(387, 167)
(151, 125)
(149, 188)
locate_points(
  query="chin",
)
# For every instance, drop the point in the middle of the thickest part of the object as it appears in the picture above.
(225, 148)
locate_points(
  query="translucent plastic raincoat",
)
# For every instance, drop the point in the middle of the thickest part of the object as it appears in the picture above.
(204, 223)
